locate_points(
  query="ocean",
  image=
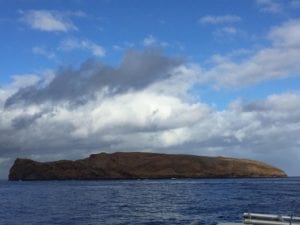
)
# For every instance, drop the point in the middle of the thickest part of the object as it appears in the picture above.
(150, 202)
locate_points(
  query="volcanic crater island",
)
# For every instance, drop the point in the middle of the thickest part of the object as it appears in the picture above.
(138, 165)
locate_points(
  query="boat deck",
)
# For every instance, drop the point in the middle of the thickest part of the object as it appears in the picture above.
(269, 219)
(266, 219)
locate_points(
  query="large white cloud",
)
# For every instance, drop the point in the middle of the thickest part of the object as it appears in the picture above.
(158, 116)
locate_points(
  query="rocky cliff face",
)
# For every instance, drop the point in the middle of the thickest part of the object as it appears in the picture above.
(136, 165)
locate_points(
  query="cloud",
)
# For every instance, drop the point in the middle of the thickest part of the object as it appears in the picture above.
(278, 6)
(214, 20)
(75, 44)
(158, 116)
(49, 21)
(117, 48)
(43, 52)
(137, 70)
(223, 25)
(270, 6)
(131, 98)
(144, 104)
(286, 35)
(151, 41)
(23, 81)
(227, 32)
(280, 60)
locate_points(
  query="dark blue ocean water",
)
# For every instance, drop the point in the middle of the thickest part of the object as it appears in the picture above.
(151, 202)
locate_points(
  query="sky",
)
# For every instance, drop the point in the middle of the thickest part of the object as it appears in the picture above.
(211, 77)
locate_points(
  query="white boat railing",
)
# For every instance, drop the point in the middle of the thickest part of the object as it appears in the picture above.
(267, 219)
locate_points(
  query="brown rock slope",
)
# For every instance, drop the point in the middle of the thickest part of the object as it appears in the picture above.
(136, 165)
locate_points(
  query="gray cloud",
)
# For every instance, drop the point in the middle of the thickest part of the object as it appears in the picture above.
(22, 122)
(138, 70)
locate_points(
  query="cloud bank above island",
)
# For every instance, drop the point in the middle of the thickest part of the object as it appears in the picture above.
(144, 104)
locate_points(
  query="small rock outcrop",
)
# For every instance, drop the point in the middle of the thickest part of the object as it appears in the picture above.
(137, 165)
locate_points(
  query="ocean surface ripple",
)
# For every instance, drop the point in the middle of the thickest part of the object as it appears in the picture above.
(150, 202)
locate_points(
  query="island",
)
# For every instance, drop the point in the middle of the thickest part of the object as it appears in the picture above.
(140, 165)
